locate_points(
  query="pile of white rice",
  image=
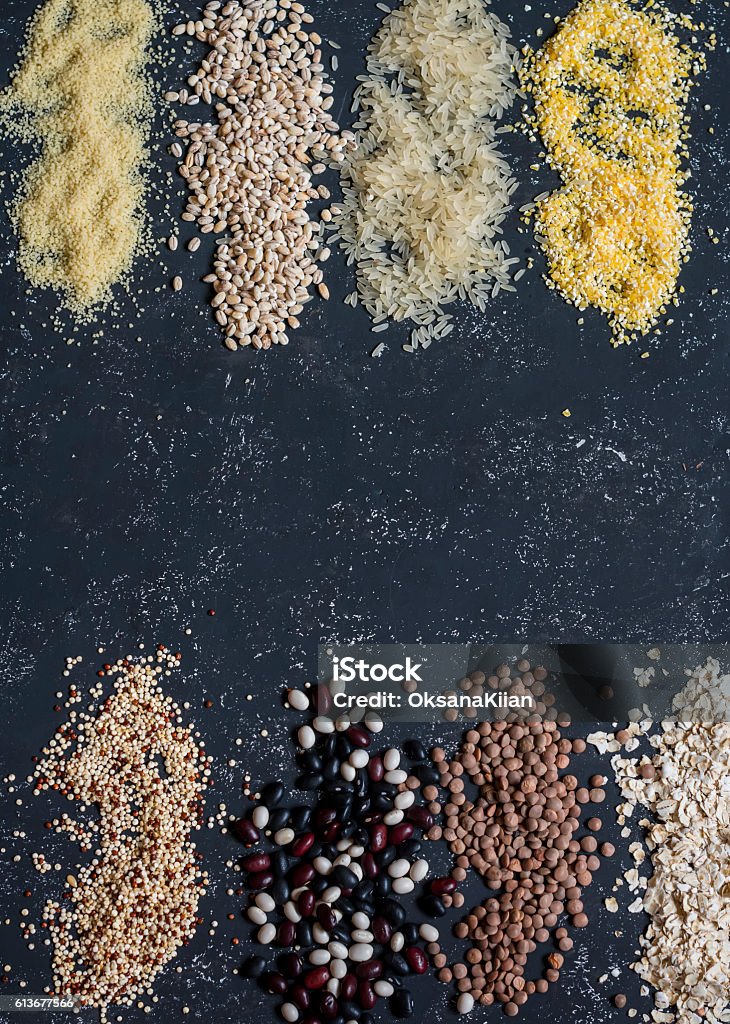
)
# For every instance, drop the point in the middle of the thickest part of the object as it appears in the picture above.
(426, 190)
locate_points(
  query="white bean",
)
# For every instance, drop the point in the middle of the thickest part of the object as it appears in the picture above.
(291, 913)
(419, 870)
(338, 967)
(298, 700)
(266, 934)
(398, 868)
(465, 1002)
(391, 759)
(260, 816)
(306, 737)
(359, 758)
(265, 901)
(359, 953)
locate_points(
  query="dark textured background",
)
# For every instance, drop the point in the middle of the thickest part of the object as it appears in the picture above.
(313, 493)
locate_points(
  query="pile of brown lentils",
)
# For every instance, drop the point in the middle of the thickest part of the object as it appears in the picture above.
(520, 835)
(250, 174)
(127, 910)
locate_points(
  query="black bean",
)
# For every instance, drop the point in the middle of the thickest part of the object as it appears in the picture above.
(310, 781)
(310, 761)
(401, 1003)
(346, 906)
(383, 886)
(332, 769)
(387, 856)
(415, 750)
(367, 907)
(319, 883)
(254, 967)
(409, 849)
(279, 818)
(410, 933)
(381, 802)
(349, 1010)
(304, 934)
(272, 794)
(397, 963)
(280, 891)
(362, 808)
(343, 802)
(428, 774)
(363, 890)
(343, 877)
(392, 911)
(360, 836)
(290, 964)
(343, 747)
(432, 906)
(330, 745)
(280, 862)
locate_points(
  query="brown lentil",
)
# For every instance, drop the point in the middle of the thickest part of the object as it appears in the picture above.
(518, 833)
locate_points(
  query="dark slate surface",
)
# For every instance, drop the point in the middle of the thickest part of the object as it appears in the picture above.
(313, 493)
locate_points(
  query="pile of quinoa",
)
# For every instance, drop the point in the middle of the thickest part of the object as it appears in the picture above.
(133, 902)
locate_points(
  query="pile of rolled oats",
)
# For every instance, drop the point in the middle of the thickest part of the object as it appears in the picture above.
(685, 784)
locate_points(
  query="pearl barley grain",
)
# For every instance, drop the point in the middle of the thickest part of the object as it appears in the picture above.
(249, 170)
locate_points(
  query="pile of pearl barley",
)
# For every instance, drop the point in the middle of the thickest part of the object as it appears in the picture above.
(251, 173)
(129, 908)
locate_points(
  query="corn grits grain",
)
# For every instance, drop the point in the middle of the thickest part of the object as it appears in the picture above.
(81, 96)
(134, 900)
(610, 89)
